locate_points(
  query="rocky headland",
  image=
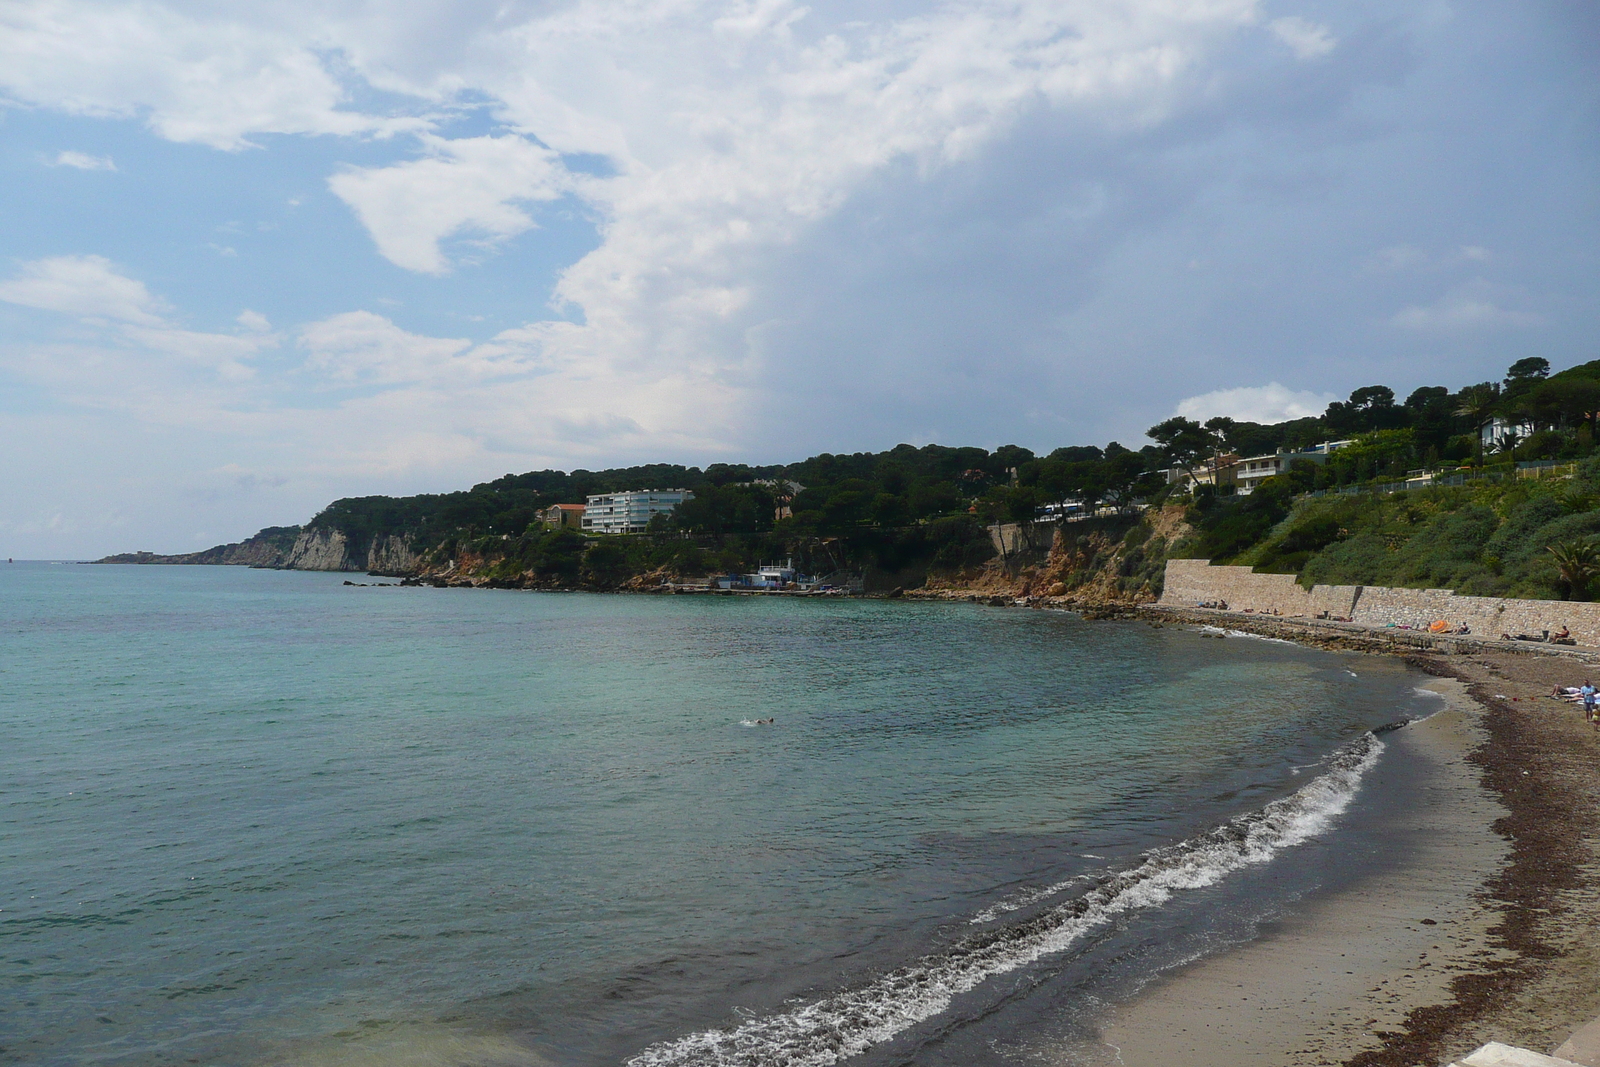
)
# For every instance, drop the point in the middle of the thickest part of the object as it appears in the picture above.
(296, 548)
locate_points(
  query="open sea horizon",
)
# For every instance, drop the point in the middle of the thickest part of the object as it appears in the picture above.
(261, 817)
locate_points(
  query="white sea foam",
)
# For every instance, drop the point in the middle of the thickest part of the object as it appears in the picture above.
(1421, 692)
(851, 1021)
(1244, 633)
(1028, 897)
(1259, 637)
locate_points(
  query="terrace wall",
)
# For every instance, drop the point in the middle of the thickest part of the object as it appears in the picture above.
(1191, 582)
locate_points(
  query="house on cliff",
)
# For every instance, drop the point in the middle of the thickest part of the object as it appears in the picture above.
(563, 517)
(1247, 472)
(1253, 470)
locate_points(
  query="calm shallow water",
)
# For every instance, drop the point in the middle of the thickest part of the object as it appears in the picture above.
(259, 817)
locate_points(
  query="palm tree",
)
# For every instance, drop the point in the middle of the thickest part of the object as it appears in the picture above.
(1577, 564)
(1477, 403)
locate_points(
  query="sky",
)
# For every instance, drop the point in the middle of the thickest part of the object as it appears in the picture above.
(256, 257)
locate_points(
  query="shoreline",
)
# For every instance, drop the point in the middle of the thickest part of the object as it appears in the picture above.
(1509, 877)
(1320, 981)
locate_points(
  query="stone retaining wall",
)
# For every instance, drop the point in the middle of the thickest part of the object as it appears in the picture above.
(1191, 582)
(1021, 538)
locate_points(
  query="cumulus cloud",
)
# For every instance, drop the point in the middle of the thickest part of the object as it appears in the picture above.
(83, 161)
(1307, 39)
(125, 313)
(360, 347)
(470, 184)
(1474, 306)
(83, 285)
(213, 78)
(219, 352)
(732, 129)
(731, 125)
(1268, 404)
(733, 142)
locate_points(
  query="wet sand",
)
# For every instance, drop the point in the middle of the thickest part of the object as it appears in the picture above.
(1504, 869)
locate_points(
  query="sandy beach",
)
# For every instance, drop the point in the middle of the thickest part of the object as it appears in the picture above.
(1488, 930)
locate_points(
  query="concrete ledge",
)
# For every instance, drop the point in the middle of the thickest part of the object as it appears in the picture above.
(1583, 1047)
(1355, 634)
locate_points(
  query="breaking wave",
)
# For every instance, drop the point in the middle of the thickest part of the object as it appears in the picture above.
(1244, 633)
(843, 1024)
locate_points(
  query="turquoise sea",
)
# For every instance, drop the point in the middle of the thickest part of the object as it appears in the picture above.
(260, 817)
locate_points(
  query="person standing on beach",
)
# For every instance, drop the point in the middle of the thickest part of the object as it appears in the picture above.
(1588, 694)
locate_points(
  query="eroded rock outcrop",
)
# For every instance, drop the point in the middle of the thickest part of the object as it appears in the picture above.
(1093, 564)
(325, 549)
(393, 555)
(320, 550)
(268, 548)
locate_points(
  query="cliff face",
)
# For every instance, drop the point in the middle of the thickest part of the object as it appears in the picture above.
(330, 550)
(393, 556)
(1119, 561)
(319, 550)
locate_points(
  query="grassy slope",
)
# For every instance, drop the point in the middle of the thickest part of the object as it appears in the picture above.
(1485, 540)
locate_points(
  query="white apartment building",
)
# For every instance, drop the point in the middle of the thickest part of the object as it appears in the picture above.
(1253, 470)
(631, 512)
(1496, 430)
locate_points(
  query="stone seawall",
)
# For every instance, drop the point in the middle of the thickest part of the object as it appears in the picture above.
(1191, 582)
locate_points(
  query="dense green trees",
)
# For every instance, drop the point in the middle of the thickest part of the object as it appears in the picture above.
(1545, 417)
(909, 508)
